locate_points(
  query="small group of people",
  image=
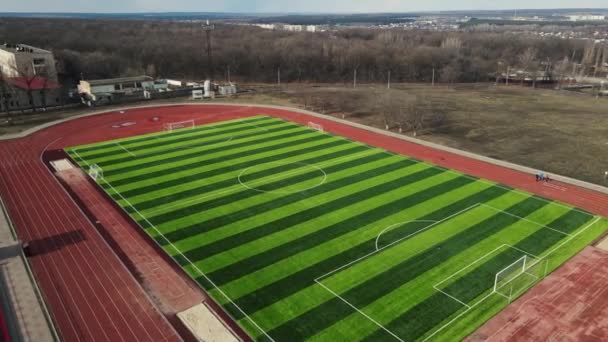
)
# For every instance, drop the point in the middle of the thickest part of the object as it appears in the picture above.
(541, 177)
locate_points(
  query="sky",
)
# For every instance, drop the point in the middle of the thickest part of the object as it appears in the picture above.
(283, 6)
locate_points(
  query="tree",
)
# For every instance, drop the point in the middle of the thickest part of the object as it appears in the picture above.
(449, 74)
(28, 76)
(5, 93)
(151, 70)
(527, 61)
(560, 69)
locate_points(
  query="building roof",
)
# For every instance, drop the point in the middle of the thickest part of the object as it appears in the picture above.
(23, 48)
(36, 83)
(119, 80)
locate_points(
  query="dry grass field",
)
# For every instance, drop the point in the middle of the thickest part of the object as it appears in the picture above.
(556, 131)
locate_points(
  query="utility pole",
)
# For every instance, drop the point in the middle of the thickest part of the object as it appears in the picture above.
(355, 79)
(207, 27)
(388, 86)
(508, 72)
(433, 79)
(279, 76)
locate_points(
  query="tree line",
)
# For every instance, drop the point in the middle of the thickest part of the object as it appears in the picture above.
(93, 49)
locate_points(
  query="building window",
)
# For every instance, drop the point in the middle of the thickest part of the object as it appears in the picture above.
(137, 84)
(117, 87)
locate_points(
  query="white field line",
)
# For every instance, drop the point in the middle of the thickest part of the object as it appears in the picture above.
(189, 261)
(125, 149)
(395, 242)
(597, 218)
(237, 187)
(454, 298)
(526, 253)
(525, 219)
(251, 124)
(359, 311)
(79, 157)
(501, 294)
(470, 265)
(399, 224)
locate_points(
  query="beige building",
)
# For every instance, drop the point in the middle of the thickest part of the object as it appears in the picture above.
(28, 78)
(20, 60)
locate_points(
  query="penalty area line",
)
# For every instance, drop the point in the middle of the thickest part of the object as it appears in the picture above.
(570, 238)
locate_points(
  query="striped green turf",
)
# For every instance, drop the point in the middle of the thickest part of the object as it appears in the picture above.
(302, 235)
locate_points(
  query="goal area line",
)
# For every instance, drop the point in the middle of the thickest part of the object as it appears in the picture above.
(538, 260)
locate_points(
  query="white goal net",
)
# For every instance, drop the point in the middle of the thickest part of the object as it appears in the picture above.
(516, 278)
(95, 172)
(315, 126)
(171, 126)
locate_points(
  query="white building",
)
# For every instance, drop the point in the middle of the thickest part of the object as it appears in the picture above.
(586, 17)
(113, 87)
(266, 26)
(293, 28)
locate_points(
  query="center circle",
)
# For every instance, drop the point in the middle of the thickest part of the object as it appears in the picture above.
(274, 177)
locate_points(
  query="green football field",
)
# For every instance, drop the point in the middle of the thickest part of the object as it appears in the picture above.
(303, 235)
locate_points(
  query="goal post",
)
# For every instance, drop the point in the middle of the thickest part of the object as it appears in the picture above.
(315, 126)
(171, 126)
(95, 172)
(519, 276)
(507, 274)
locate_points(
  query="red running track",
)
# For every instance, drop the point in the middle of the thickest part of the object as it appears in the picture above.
(90, 293)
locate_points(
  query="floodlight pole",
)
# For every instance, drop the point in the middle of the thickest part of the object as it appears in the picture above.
(207, 27)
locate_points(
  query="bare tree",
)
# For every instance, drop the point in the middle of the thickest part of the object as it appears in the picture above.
(5, 93)
(560, 69)
(588, 57)
(389, 107)
(527, 61)
(449, 74)
(151, 70)
(418, 114)
(28, 76)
